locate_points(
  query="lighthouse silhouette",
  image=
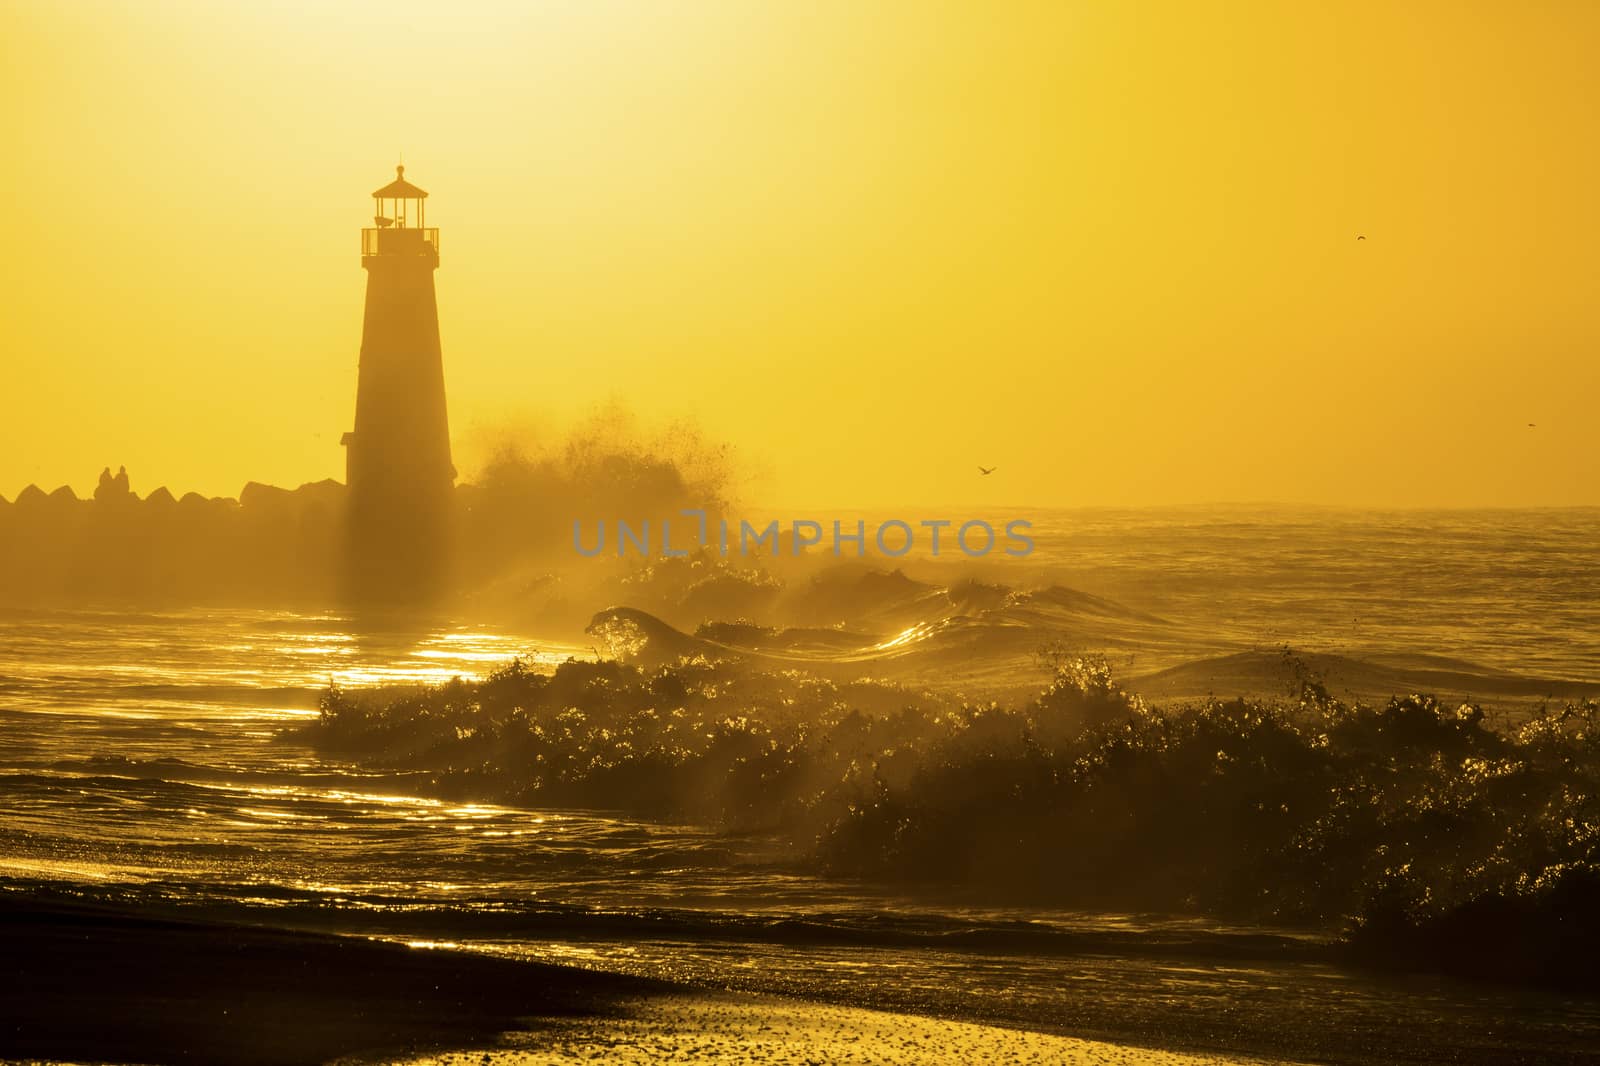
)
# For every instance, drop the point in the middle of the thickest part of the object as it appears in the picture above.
(397, 460)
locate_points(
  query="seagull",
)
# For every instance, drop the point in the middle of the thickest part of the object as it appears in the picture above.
(986, 470)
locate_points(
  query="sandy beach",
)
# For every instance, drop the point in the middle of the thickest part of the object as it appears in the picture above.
(750, 1029)
(99, 985)
(91, 984)
(94, 984)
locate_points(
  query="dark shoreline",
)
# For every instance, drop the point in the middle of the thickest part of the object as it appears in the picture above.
(84, 982)
(107, 982)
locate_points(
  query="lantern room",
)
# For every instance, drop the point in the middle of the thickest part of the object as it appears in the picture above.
(399, 222)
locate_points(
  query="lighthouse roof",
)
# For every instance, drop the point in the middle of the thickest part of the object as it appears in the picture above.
(400, 188)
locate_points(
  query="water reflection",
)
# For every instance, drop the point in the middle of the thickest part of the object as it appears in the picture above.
(156, 764)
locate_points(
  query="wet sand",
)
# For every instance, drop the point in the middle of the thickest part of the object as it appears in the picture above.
(748, 1029)
(91, 983)
(95, 984)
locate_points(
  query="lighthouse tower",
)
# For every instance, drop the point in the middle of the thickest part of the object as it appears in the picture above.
(397, 460)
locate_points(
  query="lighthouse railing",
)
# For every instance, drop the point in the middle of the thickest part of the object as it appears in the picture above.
(399, 240)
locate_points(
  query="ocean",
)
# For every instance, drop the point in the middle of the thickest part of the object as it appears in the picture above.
(153, 759)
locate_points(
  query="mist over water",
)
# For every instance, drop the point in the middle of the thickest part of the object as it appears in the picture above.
(1514, 590)
(160, 758)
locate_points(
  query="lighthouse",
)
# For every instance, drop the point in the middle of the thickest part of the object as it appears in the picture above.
(397, 459)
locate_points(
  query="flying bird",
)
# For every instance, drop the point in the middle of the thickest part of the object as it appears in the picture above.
(1531, 425)
(986, 470)
(1361, 238)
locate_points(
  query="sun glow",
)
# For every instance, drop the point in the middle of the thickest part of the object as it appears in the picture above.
(1116, 243)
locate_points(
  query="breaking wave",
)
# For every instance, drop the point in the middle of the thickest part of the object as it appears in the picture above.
(1404, 817)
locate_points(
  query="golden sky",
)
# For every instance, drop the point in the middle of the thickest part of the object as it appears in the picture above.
(1108, 248)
